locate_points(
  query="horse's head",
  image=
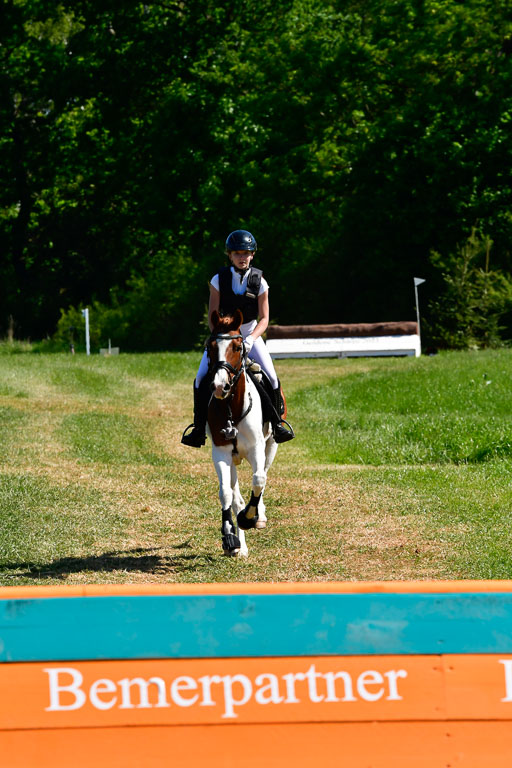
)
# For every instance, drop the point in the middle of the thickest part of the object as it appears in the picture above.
(225, 353)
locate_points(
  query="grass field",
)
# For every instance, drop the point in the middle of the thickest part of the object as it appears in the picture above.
(401, 469)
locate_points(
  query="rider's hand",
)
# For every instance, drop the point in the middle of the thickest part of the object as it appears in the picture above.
(248, 341)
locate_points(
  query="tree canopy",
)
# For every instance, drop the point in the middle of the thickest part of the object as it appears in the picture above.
(354, 139)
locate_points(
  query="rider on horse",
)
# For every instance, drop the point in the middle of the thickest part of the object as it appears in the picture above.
(243, 287)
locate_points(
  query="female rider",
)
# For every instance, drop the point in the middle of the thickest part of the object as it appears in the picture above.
(243, 287)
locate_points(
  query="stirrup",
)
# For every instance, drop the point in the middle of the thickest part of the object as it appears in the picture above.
(283, 435)
(195, 439)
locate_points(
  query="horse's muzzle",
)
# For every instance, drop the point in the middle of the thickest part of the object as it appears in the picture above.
(222, 383)
(221, 389)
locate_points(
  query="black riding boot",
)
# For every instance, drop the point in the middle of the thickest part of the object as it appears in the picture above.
(281, 434)
(197, 437)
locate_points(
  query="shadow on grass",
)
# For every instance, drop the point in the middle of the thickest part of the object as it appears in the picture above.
(132, 561)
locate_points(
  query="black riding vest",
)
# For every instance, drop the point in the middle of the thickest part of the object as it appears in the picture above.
(246, 302)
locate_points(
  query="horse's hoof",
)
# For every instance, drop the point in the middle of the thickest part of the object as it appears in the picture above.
(231, 553)
(246, 523)
(231, 544)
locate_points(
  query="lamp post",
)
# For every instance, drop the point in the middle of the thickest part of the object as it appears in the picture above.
(418, 281)
(85, 313)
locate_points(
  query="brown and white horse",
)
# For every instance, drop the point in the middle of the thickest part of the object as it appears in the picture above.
(236, 429)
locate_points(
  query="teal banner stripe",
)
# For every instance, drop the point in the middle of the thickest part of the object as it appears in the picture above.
(144, 627)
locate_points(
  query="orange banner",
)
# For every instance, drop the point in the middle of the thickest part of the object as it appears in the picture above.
(236, 691)
(305, 745)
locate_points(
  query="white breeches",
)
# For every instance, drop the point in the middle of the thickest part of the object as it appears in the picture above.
(259, 353)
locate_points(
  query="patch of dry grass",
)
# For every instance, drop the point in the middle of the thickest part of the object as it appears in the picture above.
(117, 498)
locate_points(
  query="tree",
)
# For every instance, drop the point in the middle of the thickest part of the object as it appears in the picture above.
(353, 138)
(475, 298)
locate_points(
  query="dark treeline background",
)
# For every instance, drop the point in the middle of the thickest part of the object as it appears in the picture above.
(362, 142)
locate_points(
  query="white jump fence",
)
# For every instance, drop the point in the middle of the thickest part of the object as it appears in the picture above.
(344, 340)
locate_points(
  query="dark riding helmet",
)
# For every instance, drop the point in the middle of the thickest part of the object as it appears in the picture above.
(241, 240)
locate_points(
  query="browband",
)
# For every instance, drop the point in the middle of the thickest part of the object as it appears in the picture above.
(225, 336)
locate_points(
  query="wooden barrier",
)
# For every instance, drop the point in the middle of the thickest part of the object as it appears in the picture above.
(387, 675)
(344, 340)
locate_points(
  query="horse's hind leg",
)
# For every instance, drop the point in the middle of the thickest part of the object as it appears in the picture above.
(270, 453)
(259, 519)
(238, 501)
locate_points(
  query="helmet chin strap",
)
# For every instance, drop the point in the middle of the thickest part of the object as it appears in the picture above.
(241, 271)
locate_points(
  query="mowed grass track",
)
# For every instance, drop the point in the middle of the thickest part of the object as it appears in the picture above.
(401, 469)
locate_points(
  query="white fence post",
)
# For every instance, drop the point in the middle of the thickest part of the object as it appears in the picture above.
(85, 313)
(418, 281)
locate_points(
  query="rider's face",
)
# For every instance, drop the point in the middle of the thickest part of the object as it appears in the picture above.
(241, 259)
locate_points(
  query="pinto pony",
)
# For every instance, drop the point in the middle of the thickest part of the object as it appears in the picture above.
(237, 430)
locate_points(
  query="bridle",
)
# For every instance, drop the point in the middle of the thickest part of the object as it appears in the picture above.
(230, 431)
(233, 372)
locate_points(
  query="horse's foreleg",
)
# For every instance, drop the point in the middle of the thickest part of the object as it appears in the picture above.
(253, 515)
(231, 542)
(238, 504)
(223, 470)
(249, 516)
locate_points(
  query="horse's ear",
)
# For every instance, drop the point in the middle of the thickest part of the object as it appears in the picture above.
(214, 318)
(238, 318)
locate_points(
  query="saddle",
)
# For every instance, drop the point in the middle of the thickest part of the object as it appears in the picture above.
(264, 387)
